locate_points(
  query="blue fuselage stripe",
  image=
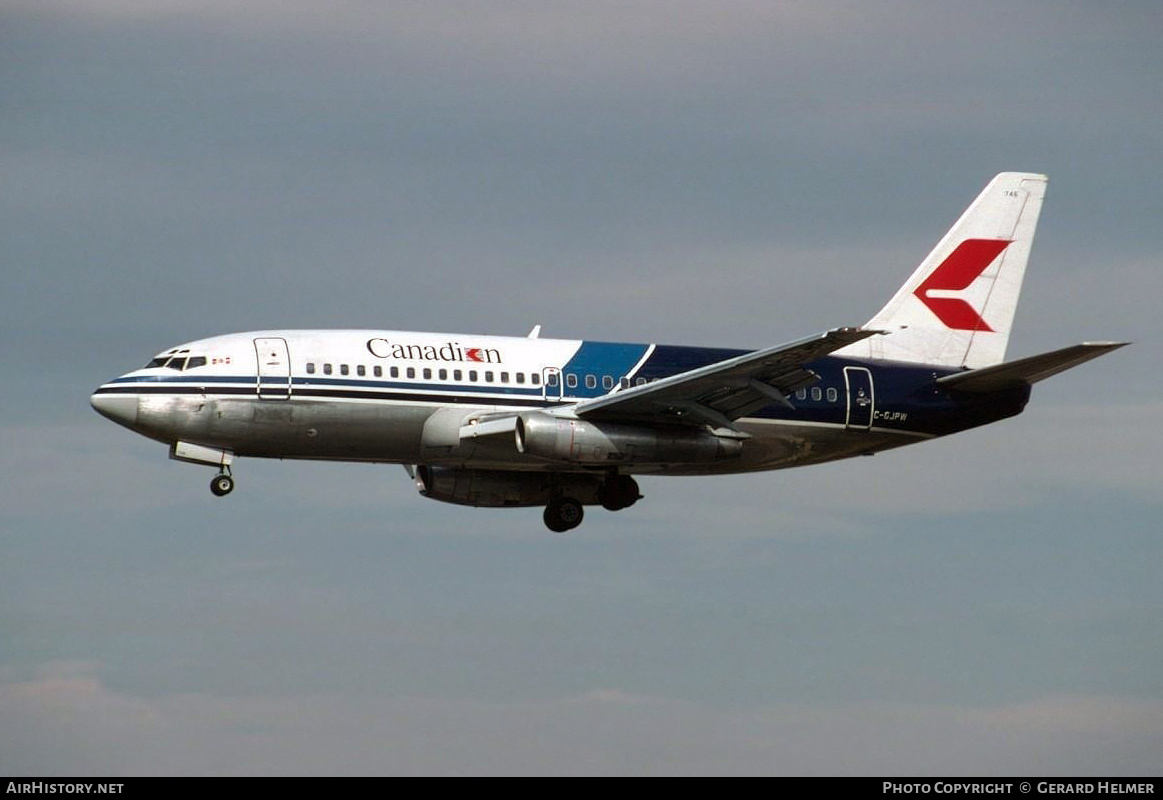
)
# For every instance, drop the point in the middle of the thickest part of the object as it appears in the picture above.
(604, 358)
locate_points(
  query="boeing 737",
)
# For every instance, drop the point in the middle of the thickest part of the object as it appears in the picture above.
(525, 421)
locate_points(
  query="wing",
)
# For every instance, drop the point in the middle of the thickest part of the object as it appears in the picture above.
(720, 393)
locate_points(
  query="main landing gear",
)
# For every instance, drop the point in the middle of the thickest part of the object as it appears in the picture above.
(563, 514)
(566, 513)
(618, 492)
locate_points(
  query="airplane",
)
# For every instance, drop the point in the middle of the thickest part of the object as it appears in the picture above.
(524, 421)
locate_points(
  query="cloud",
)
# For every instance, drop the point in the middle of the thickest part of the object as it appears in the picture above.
(65, 721)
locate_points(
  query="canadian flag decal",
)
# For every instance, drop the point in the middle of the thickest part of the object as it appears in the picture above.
(961, 268)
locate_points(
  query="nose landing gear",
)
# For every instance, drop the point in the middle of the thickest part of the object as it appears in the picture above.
(222, 484)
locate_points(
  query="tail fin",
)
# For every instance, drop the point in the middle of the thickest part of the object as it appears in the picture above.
(958, 307)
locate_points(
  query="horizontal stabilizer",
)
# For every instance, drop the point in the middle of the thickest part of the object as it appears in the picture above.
(1027, 370)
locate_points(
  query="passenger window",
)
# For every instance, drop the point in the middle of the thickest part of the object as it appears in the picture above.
(520, 377)
(377, 371)
(427, 374)
(801, 394)
(472, 375)
(571, 381)
(343, 369)
(411, 372)
(607, 382)
(624, 383)
(504, 377)
(326, 369)
(551, 379)
(640, 381)
(816, 393)
(442, 374)
(360, 370)
(832, 395)
(394, 372)
(310, 368)
(456, 375)
(488, 376)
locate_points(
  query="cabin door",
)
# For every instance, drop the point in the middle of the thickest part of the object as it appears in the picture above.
(274, 369)
(861, 400)
(551, 384)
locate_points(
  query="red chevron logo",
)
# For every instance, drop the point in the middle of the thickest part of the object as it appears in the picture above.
(962, 267)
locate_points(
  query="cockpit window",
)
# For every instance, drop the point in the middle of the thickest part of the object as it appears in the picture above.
(179, 362)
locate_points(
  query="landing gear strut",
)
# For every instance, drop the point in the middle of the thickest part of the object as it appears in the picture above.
(563, 514)
(222, 484)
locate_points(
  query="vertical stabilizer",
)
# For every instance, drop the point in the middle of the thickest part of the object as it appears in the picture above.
(957, 309)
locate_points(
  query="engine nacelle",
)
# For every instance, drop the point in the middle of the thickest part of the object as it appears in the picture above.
(600, 443)
(498, 488)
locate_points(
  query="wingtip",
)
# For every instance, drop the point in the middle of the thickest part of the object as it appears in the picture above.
(1103, 347)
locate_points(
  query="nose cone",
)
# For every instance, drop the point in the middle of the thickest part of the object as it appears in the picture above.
(120, 408)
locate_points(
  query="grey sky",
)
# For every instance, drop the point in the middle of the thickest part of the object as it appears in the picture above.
(730, 174)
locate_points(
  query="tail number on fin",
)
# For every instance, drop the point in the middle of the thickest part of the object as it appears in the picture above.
(962, 267)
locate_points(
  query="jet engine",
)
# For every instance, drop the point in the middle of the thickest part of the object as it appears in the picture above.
(578, 441)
